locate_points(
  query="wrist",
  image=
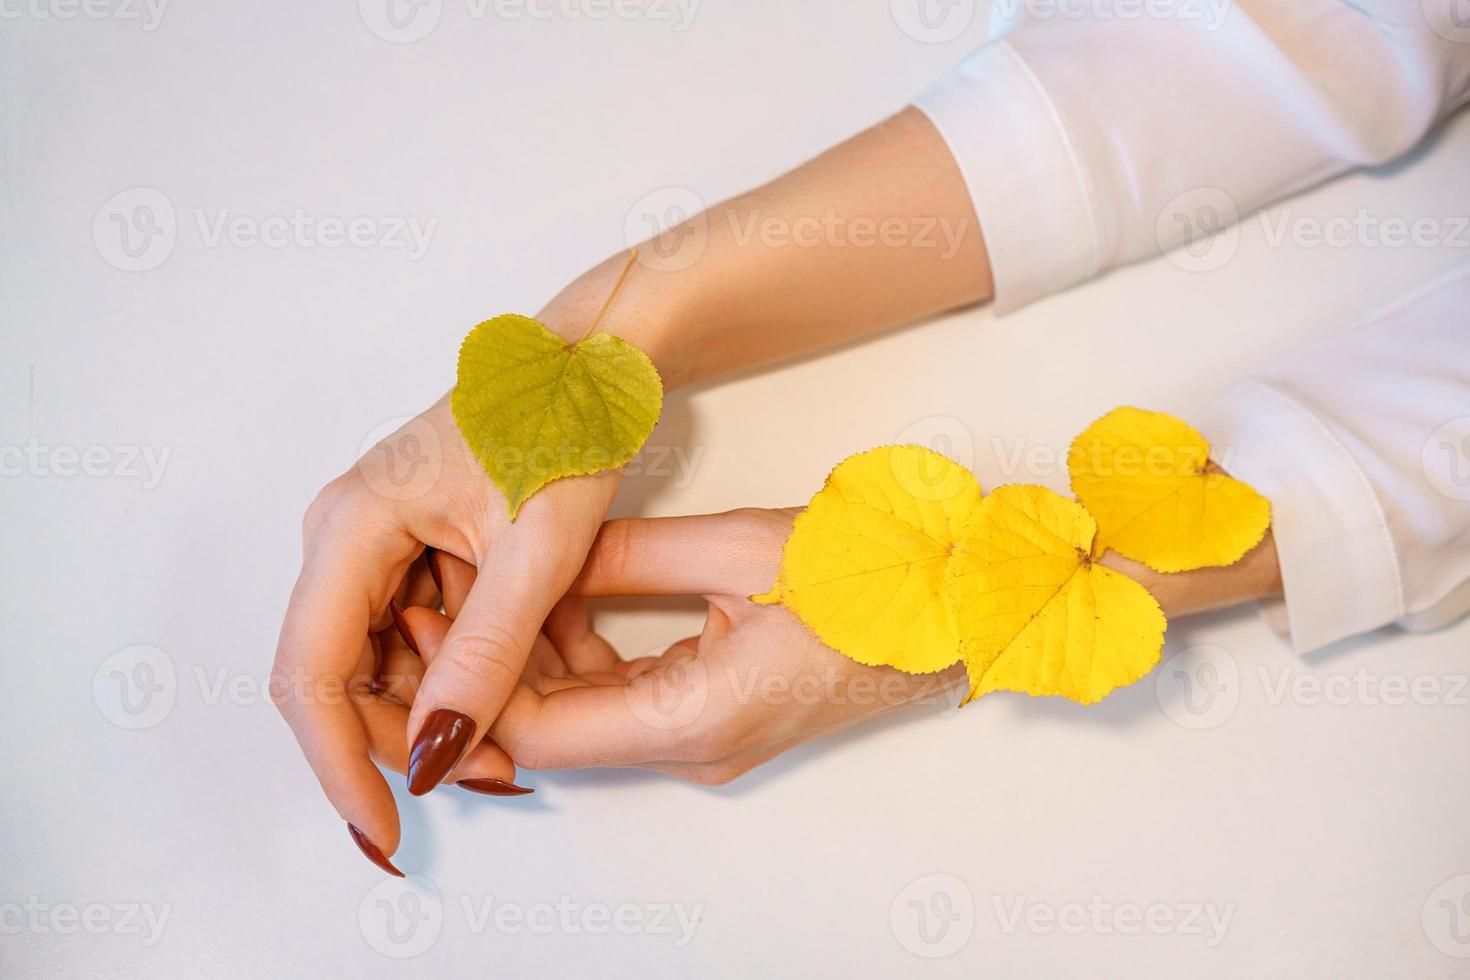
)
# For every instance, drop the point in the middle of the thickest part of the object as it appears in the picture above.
(1256, 576)
(647, 312)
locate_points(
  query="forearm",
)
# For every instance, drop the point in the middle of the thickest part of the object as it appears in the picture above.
(1256, 576)
(875, 232)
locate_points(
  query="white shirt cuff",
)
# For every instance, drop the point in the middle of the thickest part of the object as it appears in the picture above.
(1339, 566)
(1022, 173)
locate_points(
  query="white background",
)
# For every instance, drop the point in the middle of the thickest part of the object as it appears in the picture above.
(1324, 829)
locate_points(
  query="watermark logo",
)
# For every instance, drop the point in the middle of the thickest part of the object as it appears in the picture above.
(135, 230)
(400, 21)
(932, 21)
(1446, 917)
(401, 917)
(1446, 459)
(1197, 230)
(945, 435)
(669, 697)
(135, 688)
(1198, 688)
(402, 458)
(933, 916)
(670, 227)
(1209, 13)
(1450, 19)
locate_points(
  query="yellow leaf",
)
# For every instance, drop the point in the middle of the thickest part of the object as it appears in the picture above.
(1147, 478)
(534, 408)
(1035, 613)
(864, 566)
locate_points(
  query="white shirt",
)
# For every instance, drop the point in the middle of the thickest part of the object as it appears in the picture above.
(1104, 136)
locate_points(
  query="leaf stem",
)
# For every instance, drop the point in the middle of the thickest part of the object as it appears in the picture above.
(627, 267)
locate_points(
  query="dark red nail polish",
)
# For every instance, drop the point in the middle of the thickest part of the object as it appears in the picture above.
(494, 787)
(431, 558)
(367, 847)
(440, 745)
(400, 623)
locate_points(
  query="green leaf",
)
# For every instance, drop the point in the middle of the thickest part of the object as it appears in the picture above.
(534, 408)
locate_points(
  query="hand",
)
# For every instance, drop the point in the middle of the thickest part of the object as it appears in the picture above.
(753, 684)
(364, 541)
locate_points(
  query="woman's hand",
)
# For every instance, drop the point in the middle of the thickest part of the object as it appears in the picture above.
(364, 541)
(709, 299)
(753, 684)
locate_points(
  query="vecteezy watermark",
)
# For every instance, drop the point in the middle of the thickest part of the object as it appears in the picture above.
(1097, 916)
(40, 918)
(671, 227)
(933, 916)
(135, 688)
(137, 229)
(1364, 229)
(1446, 917)
(676, 696)
(1446, 459)
(1198, 230)
(407, 21)
(147, 13)
(404, 917)
(1199, 687)
(1210, 13)
(932, 21)
(1363, 686)
(1450, 19)
(1021, 458)
(42, 461)
(831, 229)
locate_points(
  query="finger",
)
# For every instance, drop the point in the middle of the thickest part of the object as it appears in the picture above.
(419, 587)
(355, 560)
(386, 722)
(456, 578)
(659, 715)
(733, 553)
(569, 629)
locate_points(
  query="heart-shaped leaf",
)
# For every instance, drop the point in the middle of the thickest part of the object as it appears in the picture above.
(534, 408)
(1147, 479)
(1035, 612)
(864, 565)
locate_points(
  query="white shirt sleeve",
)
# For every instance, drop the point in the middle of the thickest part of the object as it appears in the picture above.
(1089, 138)
(1361, 442)
(1093, 136)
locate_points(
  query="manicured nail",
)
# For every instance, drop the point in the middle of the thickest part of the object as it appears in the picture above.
(367, 847)
(494, 787)
(400, 623)
(431, 558)
(440, 745)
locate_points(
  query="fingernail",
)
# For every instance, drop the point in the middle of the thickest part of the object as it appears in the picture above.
(400, 623)
(367, 847)
(494, 787)
(441, 742)
(431, 558)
